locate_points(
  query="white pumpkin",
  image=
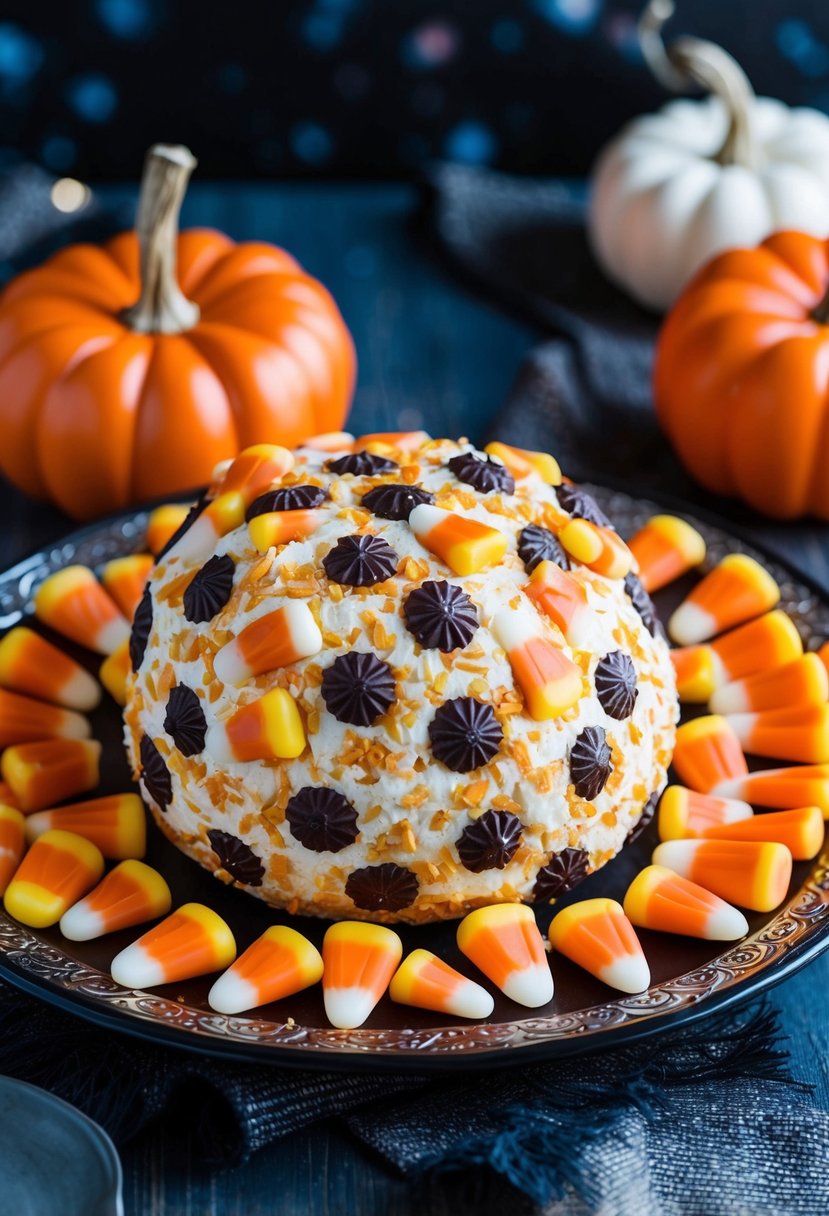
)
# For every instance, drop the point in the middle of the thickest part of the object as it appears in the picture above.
(676, 187)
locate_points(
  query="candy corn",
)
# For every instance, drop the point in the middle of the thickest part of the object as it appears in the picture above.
(760, 646)
(706, 752)
(56, 872)
(466, 545)
(800, 733)
(24, 720)
(12, 843)
(503, 941)
(600, 549)
(330, 441)
(281, 527)
(596, 935)
(521, 462)
(735, 591)
(662, 900)
(804, 681)
(359, 961)
(426, 982)
(551, 683)
(116, 823)
(665, 549)
(801, 830)
(30, 664)
(562, 599)
(7, 798)
(163, 524)
(130, 894)
(275, 640)
(754, 874)
(114, 671)
(695, 671)
(193, 941)
(823, 655)
(41, 774)
(278, 964)
(403, 441)
(124, 578)
(269, 728)
(781, 788)
(685, 813)
(74, 603)
(256, 468)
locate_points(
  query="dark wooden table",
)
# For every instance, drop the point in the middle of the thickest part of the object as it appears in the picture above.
(431, 355)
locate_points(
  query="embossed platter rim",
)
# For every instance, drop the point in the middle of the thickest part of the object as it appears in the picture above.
(794, 935)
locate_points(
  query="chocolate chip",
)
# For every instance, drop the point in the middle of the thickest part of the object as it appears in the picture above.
(579, 503)
(362, 464)
(321, 819)
(395, 501)
(440, 615)
(185, 722)
(648, 812)
(360, 561)
(465, 734)
(590, 764)
(384, 888)
(482, 473)
(615, 681)
(490, 842)
(155, 773)
(358, 688)
(643, 604)
(209, 591)
(562, 872)
(237, 858)
(536, 545)
(142, 624)
(287, 498)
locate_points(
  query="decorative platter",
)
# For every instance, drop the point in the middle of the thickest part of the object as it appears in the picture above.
(690, 979)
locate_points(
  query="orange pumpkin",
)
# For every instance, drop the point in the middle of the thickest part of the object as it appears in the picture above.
(741, 380)
(105, 401)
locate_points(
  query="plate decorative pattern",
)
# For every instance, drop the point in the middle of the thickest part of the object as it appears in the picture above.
(787, 939)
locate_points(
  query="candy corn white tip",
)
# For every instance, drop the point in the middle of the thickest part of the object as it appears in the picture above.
(532, 986)
(196, 542)
(691, 624)
(425, 517)
(81, 692)
(472, 1001)
(677, 855)
(348, 1008)
(216, 743)
(726, 924)
(135, 968)
(630, 974)
(82, 924)
(232, 994)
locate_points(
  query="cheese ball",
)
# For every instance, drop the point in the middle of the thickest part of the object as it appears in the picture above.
(397, 679)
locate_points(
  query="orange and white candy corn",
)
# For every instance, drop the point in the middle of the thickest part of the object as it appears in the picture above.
(131, 894)
(562, 599)
(12, 843)
(30, 664)
(736, 590)
(550, 682)
(600, 549)
(684, 813)
(503, 941)
(754, 874)
(596, 935)
(522, 462)
(269, 728)
(465, 545)
(695, 672)
(665, 548)
(660, 899)
(359, 960)
(781, 788)
(800, 733)
(116, 823)
(25, 720)
(41, 774)
(114, 672)
(7, 798)
(762, 645)
(278, 964)
(255, 469)
(425, 981)
(281, 527)
(57, 871)
(801, 830)
(163, 524)
(193, 941)
(707, 752)
(403, 441)
(275, 640)
(73, 603)
(804, 681)
(124, 578)
(330, 441)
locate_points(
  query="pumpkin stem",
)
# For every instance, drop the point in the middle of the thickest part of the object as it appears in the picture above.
(694, 62)
(161, 308)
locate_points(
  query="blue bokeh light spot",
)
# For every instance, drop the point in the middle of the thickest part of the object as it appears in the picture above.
(311, 143)
(572, 16)
(21, 56)
(799, 45)
(128, 19)
(471, 142)
(93, 97)
(507, 36)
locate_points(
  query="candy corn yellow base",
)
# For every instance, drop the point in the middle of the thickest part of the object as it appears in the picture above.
(411, 810)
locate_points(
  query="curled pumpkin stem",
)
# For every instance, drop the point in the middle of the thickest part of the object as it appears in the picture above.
(689, 62)
(162, 307)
